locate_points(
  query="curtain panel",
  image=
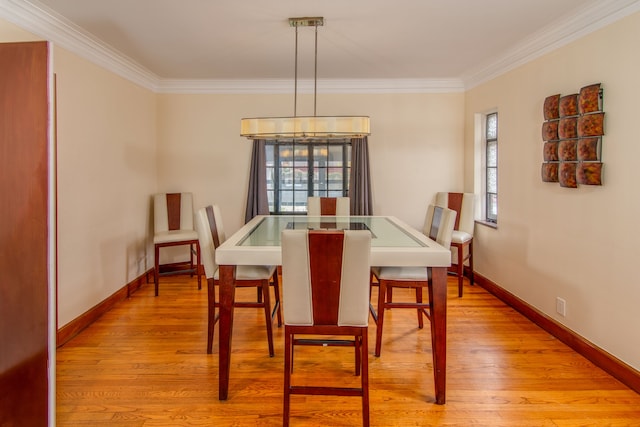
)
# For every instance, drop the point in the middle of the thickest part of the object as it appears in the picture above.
(360, 179)
(257, 201)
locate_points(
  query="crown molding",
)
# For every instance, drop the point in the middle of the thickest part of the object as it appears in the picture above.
(551, 37)
(335, 86)
(51, 26)
(46, 23)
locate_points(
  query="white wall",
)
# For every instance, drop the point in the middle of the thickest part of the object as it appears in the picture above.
(106, 173)
(577, 244)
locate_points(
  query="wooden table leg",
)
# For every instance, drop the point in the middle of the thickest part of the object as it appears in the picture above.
(438, 298)
(227, 296)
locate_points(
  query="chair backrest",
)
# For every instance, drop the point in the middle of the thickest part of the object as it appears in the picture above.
(439, 223)
(325, 277)
(208, 236)
(463, 204)
(172, 211)
(336, 206)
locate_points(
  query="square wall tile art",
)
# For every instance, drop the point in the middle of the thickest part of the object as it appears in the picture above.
(572, 132)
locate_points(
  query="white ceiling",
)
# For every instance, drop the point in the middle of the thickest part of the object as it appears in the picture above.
(194, 40)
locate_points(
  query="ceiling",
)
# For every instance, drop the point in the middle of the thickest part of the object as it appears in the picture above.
(196, 40)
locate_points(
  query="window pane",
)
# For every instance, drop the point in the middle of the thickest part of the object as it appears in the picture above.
(269, 153)
(319, 177)
(286, 201)
(270, 181)
(492, 126)
(492, 153)
(285, 153)
(300, 200)
(334, 179)
(492, 207)
(271, 198)
(301, 177)
(286, 178)
(320, 153)
(302, 152)
(492, 180)
(335, 155)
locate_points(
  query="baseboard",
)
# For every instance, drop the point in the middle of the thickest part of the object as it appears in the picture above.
(599, 357)
(78, 324)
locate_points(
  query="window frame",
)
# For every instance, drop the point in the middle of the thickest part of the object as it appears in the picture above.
(489, 140)
(274, 186)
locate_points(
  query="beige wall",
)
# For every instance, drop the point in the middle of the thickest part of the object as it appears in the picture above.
(118, 144)
(106, 173)
(416, 147)
(577, 244)
(12, 33)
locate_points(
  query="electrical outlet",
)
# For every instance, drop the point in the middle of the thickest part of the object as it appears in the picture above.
(561, 306)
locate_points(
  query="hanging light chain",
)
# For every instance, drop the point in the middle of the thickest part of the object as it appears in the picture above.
(315, 73)
(295, 87)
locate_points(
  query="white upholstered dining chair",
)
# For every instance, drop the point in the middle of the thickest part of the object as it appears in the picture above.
(462, 237)
(325, 292)
(211, 235)
(321, 206)
(173, 226)
(438, 226)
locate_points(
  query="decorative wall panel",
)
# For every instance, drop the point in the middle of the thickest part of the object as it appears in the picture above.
(572, 133)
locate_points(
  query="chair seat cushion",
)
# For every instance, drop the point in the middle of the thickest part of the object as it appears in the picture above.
(252, 272)
(174, 236)
(460, 237)
(401, 273)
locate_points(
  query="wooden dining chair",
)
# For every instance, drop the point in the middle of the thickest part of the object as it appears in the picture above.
(211, 235)
(438, 226)
(173, 226)
(462, 237)
(321, 206)
(325, 281)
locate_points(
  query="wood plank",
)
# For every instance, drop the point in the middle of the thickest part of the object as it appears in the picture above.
(144, 363)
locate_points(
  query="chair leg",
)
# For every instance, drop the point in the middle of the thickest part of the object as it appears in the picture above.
(267, 314)
(471, 261)
(288, 350)
(276, 291)
(198, 261)
(191, 260)
(372, 311)
(156, 267)
(419, 301)
(365, 378)
(460, 268)
(357, 344)
(382, 293)
(212, 314)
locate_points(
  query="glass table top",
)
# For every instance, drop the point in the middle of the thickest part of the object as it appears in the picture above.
(384, 232)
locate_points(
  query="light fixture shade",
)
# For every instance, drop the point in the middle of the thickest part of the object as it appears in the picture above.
(305, 127)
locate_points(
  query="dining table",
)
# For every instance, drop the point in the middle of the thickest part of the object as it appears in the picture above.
(393, 243)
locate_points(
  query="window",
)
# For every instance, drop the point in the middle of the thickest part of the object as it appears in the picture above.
(491, 168)
(298, 170)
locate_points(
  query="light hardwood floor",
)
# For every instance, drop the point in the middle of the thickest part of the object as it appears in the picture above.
(144, 364)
